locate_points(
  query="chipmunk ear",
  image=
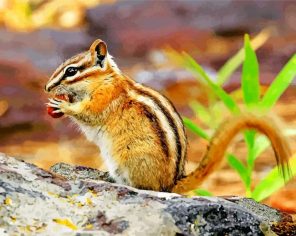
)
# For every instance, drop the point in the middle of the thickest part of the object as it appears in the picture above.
(98, 51)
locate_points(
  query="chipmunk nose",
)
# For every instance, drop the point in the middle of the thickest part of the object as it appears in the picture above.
(47, 88)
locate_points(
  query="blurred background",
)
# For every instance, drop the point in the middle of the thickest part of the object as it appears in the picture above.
(37, 35)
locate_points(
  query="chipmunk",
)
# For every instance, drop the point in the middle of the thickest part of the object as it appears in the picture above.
(139, 132)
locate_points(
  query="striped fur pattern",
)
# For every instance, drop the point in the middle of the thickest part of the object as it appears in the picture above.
(140, 134)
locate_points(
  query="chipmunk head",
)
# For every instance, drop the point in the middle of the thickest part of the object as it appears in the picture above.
(81, 69)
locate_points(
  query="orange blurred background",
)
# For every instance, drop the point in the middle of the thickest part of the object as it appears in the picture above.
(37, 35)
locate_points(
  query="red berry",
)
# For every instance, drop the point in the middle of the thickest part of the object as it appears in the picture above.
(50, 111)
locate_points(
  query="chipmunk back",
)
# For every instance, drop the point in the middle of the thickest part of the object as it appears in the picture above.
(140, 134)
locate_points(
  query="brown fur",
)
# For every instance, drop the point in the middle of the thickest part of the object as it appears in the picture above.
(139, 144)
(149, 166)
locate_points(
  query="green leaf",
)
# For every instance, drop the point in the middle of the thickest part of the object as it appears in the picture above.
(235, 61)
(201, 112)
(280, 84)
(197, 70)
(261, 143)
(250, 75)
(250, 140)
(250, 137)
(218, 113)
(202, 192)
(195, 129)
(273, 182)
(237, 165)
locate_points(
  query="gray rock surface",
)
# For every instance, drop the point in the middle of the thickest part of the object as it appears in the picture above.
(36, 202)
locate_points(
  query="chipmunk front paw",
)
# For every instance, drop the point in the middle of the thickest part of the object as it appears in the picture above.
(60, 106)
(56, 108)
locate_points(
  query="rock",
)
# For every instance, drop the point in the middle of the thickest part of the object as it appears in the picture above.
(134, 27)
(34, 201)
(52, 48)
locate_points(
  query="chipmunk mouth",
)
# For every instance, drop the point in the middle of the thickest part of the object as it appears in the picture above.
(65, 97)
(63, 93)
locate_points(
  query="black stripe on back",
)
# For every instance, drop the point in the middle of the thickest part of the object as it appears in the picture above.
(171, 123)
(183, 128)
(156, 126)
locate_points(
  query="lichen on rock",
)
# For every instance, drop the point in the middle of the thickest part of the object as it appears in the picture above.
(34, 201)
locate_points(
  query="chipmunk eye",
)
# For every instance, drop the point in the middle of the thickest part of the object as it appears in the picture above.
(71, 71)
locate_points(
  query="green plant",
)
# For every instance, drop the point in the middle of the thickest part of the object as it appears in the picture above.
(253, 101)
